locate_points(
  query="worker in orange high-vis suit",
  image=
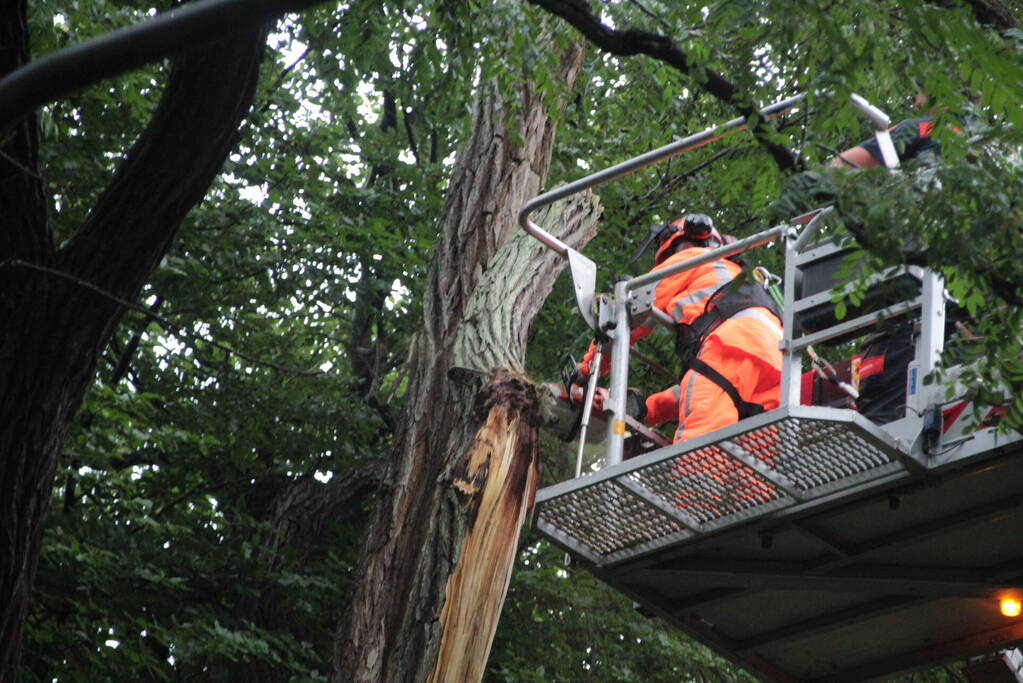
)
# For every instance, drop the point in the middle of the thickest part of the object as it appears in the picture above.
(729, 336)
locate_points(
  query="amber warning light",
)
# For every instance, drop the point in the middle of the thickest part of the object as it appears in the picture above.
(1010, 607)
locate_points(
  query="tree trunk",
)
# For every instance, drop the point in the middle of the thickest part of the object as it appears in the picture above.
(59, 307)
(436, 562)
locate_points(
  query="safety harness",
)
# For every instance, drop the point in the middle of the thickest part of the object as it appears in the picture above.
(725, 302)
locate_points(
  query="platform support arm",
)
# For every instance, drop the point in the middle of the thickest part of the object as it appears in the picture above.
(792, 358)
(931, 341)
(619, 374)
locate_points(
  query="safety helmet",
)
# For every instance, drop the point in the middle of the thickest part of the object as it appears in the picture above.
(697, 228)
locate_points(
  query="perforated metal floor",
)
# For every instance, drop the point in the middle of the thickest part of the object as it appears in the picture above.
(765, 463)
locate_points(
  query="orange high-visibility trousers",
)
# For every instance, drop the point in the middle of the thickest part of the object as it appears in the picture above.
(745, 349)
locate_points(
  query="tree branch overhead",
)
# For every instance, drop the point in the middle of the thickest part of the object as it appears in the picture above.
(630, 42)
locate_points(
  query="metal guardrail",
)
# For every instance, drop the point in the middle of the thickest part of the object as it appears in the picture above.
(584, 270)
(757, 465)
(776, 460)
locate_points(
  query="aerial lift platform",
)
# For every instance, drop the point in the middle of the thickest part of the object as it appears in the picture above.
(805, 543)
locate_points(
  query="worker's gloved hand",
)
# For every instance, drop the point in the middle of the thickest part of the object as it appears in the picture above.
(585, 367)
(576, 393)
(635, 402)
(601, 399)
(582, 372)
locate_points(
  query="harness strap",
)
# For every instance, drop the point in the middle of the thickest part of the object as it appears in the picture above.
(745, 408)
(725, 303)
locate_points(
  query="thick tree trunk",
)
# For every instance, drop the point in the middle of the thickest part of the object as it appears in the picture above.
(437, 558)
(53, 319)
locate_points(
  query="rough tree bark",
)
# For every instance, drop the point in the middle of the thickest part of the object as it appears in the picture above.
(58, 306)
(437, 558)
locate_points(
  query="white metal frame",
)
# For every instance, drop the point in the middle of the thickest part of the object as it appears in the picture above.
(820, 445)
(634, 296)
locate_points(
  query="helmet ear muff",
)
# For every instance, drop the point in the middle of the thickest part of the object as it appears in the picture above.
(667, 246)
(717, 240)
(657, 235)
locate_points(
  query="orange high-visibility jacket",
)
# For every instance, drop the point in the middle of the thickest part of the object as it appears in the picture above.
(745, 349)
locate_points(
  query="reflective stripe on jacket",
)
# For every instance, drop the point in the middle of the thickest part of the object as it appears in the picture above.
(684, 295)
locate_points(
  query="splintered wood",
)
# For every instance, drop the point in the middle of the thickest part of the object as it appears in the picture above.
(496, 483)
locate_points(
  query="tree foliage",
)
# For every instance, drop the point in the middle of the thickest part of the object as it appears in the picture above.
(215, 486)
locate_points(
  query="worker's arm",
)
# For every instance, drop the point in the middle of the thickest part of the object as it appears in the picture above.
(855, 157)
(662, 407)
(911, 138)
